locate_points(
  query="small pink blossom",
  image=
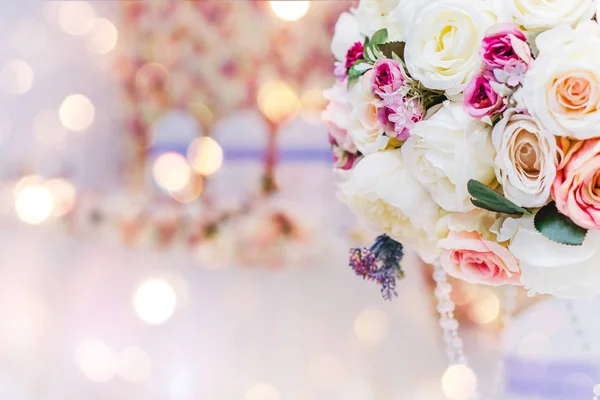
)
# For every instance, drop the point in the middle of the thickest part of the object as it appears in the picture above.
(398, 118)
(388, 76)
(340, 71)
(505, 45)
(354, 54)
(480, 99)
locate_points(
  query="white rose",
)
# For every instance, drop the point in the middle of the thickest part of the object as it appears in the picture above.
(382, 192)
(443, 41)
(525, 159)
(373, 15)
(536, 15)
(447, 150)
(561, 89)
(346, 34)
(364, 128)
(552, 268)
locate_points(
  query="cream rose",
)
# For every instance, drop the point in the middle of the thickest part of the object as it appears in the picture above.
(382, 192)
(552, 268)
(525, 159)
(562, 88)
(536, 15)
(364, 127)
(447, 150)
(345, 35)
(443, 41)
(373, 15)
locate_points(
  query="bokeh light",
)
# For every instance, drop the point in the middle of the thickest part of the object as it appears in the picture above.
(103, 36)
(96, 360)
(76, 17)
(171, 172)
(189, 192)
(290, 10)
(459, 382)
(155, 301)
(262, 391)
(47, 128)
(63, 195)
(134, 364)
(77, 113)
(277, 101)
(485, 307)
(205, 155)
(371, 326)
(33, 204)
(16, 77)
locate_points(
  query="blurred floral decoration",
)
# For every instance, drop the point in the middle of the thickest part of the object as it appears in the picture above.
(185, 66)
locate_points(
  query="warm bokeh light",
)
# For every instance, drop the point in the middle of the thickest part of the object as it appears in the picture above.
(171, 172)
(76, 17)
(154, 301)
(459, 382)
(371, 326)
(485, 307)
(27, 181)
(33, 204)
(290, 10)
(189, 193)
(205, 155)
(262, 391)
(134, 364)
(103, 36)
(77, 113)
(63, 195)
(47, 128)
(16, 77)
(96, 360)
(277, 101)
(312, 103)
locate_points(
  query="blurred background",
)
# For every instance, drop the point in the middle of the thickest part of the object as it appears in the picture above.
(169, 227)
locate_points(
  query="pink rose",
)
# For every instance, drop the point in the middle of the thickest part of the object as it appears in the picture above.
(354, 54)
(576, 188)
(480, 99)
(505, 45)
(342, 159)
(337, 116)
(388, 76)
(466, 256)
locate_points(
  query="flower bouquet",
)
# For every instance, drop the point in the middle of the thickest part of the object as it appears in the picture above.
(469, 131)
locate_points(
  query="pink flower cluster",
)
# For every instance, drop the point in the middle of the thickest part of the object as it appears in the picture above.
(506, 56)
(397, 112)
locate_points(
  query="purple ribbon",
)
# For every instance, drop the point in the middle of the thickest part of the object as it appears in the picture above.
(551, 380)
(251, 154)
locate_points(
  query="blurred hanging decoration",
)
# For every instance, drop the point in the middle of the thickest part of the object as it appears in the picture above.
(185, 67)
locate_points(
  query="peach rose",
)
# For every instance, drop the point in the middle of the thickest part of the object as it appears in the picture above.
(576, 188)
(467, 256)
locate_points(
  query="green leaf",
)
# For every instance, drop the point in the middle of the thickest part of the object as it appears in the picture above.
(379, 37)
(391, 48)
(558, 227)
(354, 74)
(488, 199)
